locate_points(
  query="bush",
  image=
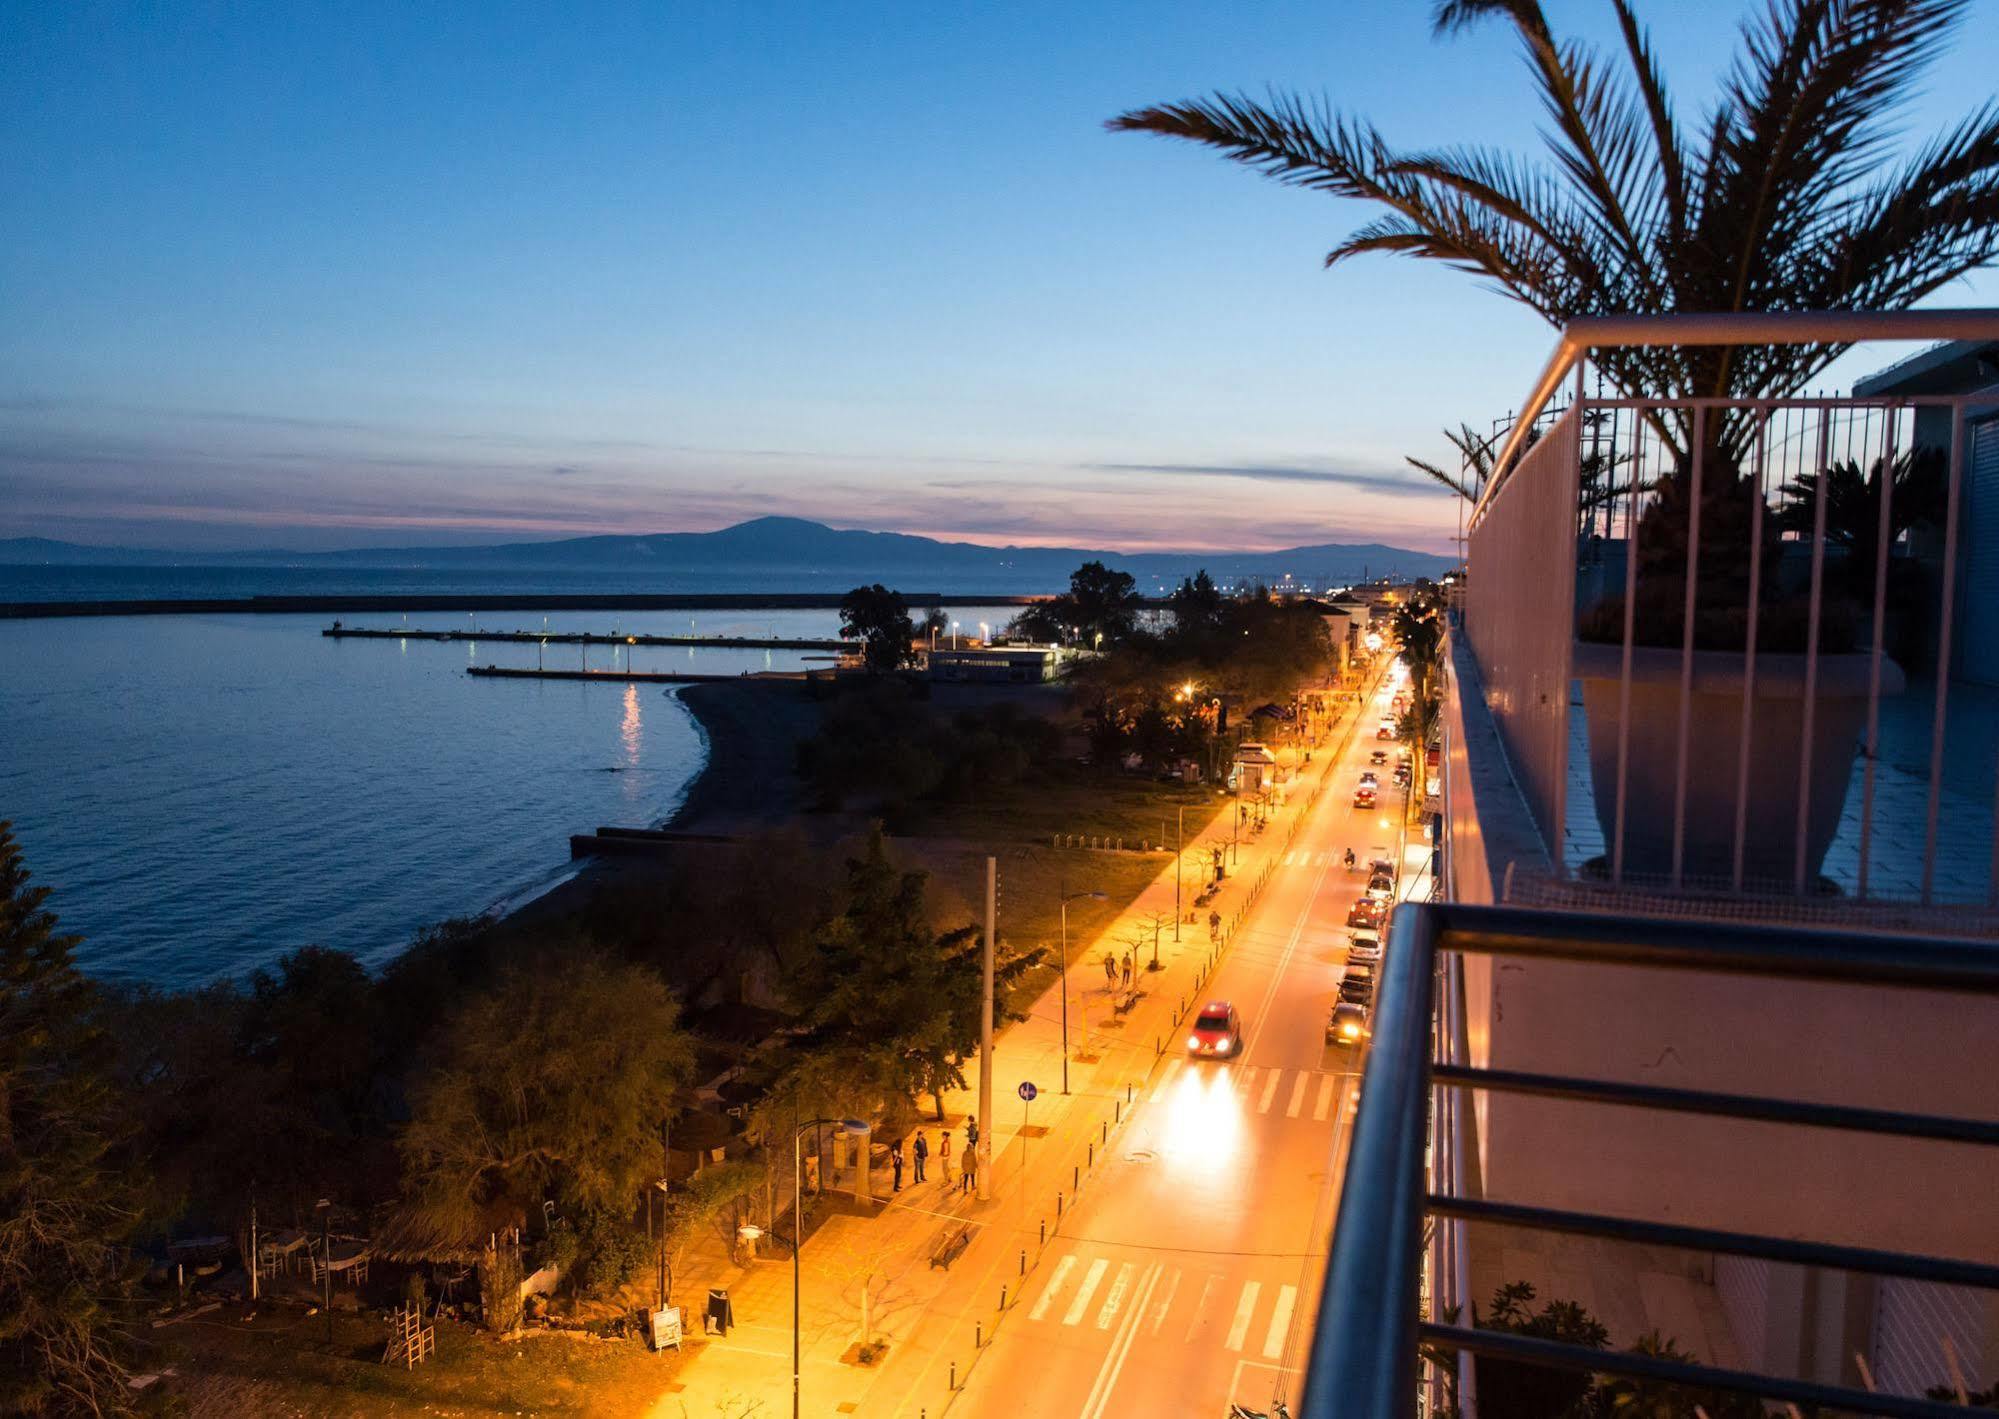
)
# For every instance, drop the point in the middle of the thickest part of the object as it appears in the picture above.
(610, 1251)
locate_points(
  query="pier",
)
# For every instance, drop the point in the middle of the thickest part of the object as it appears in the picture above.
(658, 677)
(585, 638)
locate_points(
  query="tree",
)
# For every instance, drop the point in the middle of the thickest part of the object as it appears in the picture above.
(1853, 505)
(1102, 604)
(1100, 607)
(701, 1203)
(1198, 606)
(888, 1009)
(1768, 204)
(66, 1202)
(879, 619)
(555, 1081)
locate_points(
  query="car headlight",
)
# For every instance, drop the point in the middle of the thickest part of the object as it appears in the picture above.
(1193, 1042)
(1224, 1046)
(1349, 1032)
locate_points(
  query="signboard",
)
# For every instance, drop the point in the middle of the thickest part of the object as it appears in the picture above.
(666, 1328)
(1027, 1092)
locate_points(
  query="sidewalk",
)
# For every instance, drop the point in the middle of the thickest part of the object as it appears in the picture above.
(933, 1320)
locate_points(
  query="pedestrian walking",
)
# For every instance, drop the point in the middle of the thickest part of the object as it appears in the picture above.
(1110, 970)
(1127, 970)
(965, 1179)
(895, 1162)
(920, 1152)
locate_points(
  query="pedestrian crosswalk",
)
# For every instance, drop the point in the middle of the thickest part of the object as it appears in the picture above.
(1305, 857)
(1293, 1093)
(1250, 1316)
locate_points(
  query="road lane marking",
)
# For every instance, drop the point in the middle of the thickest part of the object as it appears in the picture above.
(1297, 1095)
(1062, 1269)
(1082, 1301)
(1120, 1351)
(1246, 1085)
(1159, 1312)
(1325, 1103)
(1244, 1309)
(1200, 1307)
(1280, 1322)
(1114, 1297)
(1166, 1078)
(1269, 1090)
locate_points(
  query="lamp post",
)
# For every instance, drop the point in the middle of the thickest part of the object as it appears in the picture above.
(1068, 897)
(1179, 851)
(848, 1126)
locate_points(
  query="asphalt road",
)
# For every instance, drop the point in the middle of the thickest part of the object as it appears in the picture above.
(1189, 1274)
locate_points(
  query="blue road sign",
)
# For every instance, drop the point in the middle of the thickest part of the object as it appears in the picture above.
(1027, 1091)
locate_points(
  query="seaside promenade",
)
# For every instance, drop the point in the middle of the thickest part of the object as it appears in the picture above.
(937, 1322)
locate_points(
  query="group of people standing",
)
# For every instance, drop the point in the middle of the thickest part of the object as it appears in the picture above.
(919, 1152)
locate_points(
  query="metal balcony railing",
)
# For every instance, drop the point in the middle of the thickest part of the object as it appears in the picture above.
(1368, 1358)
(1741, 613)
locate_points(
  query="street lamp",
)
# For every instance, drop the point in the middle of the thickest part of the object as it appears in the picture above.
(954, 635)
(849, 1126)
(1068, 897)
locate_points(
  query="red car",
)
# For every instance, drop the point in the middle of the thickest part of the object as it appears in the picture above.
(1363, 797)
(1217, 1032)
(1367, 912)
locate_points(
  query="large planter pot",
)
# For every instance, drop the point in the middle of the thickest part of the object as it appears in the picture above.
(1714, 741)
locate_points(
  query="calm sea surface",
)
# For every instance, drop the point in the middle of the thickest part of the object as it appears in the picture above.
(205, 793)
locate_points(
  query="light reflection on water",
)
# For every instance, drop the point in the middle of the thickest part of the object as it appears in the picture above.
(205, 793)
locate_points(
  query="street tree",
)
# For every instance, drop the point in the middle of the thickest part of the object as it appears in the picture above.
(887, 1007)
(66, 1200)
(879, 619)
(552, 1084)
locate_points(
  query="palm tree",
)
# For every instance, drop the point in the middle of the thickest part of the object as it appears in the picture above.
(1769, 203)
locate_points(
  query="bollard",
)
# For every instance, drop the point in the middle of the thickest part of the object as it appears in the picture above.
(1002, 1298)
(1093, 1155)
(1117, 1110)
(978, 1335)
(1127, 1093)
(953, 1384)
(1058, 1207)
(1075, 1179)
(1106, 1133)
(1044, 1231)
(1023, 1261)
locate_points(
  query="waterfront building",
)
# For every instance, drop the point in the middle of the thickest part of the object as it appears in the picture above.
(1693, 1027)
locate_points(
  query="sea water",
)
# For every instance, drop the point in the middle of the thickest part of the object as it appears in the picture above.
(206, 793)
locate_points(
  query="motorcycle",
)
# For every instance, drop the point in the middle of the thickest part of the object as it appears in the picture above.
(1278, 1410)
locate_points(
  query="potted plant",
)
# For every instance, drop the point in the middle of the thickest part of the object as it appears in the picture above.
(1784, 775)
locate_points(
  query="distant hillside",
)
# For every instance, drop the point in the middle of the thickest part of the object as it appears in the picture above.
(794, 546)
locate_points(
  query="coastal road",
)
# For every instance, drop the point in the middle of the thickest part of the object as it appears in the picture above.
(1189, 1273)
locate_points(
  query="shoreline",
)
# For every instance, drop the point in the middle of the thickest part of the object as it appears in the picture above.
(478, 601)
(747, 783)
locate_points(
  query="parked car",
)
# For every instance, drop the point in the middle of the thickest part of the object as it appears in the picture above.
(1386, 731)
(1217, 1032)
(1347, 1026)
(1367, 913)
(1358, 984)
(1364, 946)
(1381, 886)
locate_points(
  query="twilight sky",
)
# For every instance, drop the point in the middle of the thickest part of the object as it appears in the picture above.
(377, 274)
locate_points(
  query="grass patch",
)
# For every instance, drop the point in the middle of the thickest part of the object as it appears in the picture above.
(281, 1364)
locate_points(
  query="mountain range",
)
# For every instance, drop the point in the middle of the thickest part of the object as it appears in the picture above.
(793, 546)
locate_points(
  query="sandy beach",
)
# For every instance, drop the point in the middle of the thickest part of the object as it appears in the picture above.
(752, 731)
